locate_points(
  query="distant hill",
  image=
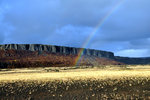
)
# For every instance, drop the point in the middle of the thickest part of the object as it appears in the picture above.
(133, 61)
(38, 55)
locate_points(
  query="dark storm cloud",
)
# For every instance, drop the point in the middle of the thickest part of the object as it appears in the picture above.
(127, 30)
(1, 39)
(35, 20)
(69, 22)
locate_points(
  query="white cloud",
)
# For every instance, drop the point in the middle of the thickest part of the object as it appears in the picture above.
(133, 53)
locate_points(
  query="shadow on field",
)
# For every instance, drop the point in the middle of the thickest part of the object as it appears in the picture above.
(125, 88)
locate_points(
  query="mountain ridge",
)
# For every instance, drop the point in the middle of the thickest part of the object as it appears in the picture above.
(57, 49)
(38, 55)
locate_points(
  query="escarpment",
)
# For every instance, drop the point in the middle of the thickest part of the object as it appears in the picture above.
(57, 49)
(38, 55)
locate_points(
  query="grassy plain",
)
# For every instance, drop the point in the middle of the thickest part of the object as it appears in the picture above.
(106, 82)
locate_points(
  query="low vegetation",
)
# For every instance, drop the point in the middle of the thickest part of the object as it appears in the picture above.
(26, 59)
(132, 82)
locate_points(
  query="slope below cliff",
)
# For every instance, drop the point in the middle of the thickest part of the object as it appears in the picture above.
(37, 55)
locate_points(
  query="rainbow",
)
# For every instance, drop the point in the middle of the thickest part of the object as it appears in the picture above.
(91, 35)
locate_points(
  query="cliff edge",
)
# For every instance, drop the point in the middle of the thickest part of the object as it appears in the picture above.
(57, 49)
(38, 55)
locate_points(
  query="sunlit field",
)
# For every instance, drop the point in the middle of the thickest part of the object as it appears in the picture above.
(106, 82)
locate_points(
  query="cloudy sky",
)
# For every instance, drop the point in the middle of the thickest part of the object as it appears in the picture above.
(125, 31)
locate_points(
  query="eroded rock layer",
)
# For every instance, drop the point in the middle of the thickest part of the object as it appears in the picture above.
(38, 55)
(57, 49)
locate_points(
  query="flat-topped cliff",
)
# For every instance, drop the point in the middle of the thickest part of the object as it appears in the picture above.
(57, 49)
(38, 55)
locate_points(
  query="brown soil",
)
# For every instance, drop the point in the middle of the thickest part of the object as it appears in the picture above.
(77, 90)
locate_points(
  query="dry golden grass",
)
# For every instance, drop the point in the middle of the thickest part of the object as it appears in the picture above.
(75, 74)
(132, 82)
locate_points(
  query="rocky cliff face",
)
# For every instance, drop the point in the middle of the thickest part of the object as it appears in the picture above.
(57, 49)
(39, 49)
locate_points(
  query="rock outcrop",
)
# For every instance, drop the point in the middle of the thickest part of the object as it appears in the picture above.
(38, 49)
(57, 49)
